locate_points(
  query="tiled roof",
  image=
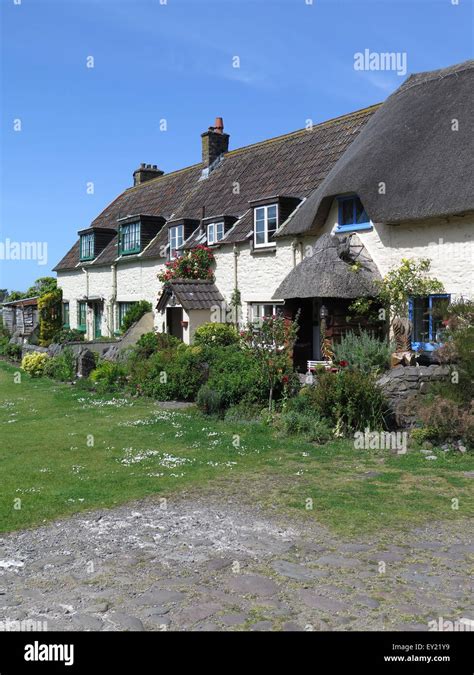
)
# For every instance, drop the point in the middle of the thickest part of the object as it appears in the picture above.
(191, 294)
(293, 164)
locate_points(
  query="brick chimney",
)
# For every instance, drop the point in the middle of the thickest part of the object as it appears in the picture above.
(146, 172)
(214, 142)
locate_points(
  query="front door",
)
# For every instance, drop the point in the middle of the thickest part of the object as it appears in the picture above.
(316, 330)
(174, 316)
(97, 321)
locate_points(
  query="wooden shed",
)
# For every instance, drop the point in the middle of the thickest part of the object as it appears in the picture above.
(21, 316)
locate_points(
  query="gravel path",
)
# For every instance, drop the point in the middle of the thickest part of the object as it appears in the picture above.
(206, 562)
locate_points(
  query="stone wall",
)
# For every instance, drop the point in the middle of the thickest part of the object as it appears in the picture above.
(402, 383)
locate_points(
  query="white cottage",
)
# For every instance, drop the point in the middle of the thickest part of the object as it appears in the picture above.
(287, 219)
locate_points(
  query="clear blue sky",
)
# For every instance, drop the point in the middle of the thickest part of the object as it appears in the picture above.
(174, 61)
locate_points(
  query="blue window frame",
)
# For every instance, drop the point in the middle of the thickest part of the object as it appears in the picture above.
(426, 321)
(130, 238)
(352, 215)
(87, 246)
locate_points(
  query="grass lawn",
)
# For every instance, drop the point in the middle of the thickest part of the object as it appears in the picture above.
(64, 450)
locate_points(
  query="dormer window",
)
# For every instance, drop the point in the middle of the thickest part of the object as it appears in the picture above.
(130, 239)
(176, 239)
(265, 225)
(87, 246)
(215, 232)
(352, 215)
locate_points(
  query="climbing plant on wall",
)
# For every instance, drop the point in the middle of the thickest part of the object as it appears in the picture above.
(194, 264)
(50, 315)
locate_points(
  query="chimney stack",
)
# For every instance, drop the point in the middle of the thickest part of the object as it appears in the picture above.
(146, 172)
(214, 142)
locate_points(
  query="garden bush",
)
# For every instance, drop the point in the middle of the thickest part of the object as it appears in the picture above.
(293, 423)
(350, 400)
(444, 421)
(135, 313)
(34, 364)
(68, 335)
(236, 375)
(167, 378)
(10, 350)
(62, 367)
(109, 377)
(216, 335)
(209, 401)
(245, 412)
(363, 351)
(149, 343)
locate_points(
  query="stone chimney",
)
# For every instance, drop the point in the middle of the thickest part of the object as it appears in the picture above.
(146, 172)
(214, 142)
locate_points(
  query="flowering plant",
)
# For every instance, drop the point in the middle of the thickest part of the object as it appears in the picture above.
(194, 264)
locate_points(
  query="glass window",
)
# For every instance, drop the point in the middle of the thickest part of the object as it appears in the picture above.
(66, 314)
(87, 246)
(130, 238)
(426, 316)
(215, 232)
(266, 222)
(81, 315)
(176, 239)
(262, 311)
(123, 308)
(352, 214)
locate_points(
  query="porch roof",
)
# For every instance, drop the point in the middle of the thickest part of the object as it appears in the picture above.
(191, 294)
(338, 268)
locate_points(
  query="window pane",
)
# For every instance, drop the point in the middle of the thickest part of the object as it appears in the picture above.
(360, 215)
(220, 231)
(210, 233)
(347, 212)
(272, 212)
(421, 320)
(438, 308)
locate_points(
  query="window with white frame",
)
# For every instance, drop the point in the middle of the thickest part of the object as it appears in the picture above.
(261, 311)
(215, 232)
(265, 224)
(176, 239)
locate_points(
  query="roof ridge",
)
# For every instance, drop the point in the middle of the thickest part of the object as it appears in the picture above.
(424, 76)
(331, 120)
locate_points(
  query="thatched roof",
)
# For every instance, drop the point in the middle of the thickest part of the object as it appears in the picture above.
(410, 145)
(191, 294)
(330, 271)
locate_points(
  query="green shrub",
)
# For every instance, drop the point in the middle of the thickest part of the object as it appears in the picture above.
(68, 335)
(166, 377)
(295, 423)
(244, 412)
(62, 367)
(236, 375)
(209, 401)
(216, 335)
(350, 400)
(149, 343)
(11, 351)
(444, 421)
(135, 313)
(34, 363)
(363, 351)
(109, 377)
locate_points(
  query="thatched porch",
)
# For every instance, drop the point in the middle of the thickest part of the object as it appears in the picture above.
(322, 288)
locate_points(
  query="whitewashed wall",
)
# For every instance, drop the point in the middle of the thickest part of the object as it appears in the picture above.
(449, 243)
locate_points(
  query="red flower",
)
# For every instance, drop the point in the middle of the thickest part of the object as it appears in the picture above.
(343, 363)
